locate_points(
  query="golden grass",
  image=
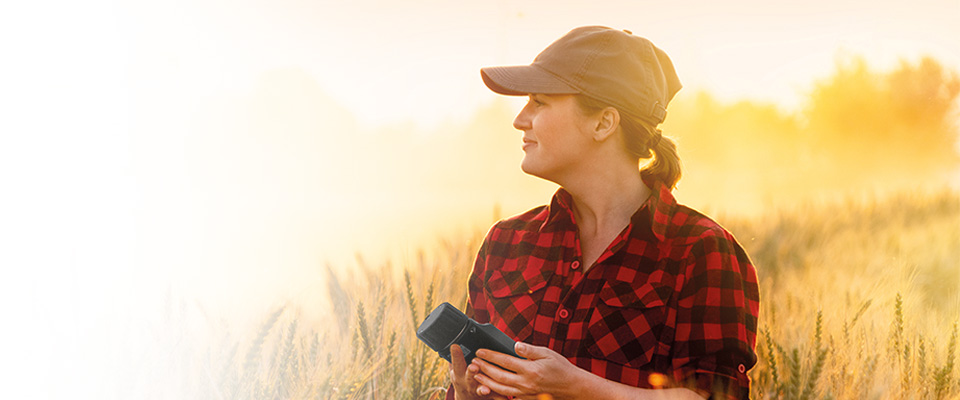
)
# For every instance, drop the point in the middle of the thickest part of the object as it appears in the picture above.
(859, 301)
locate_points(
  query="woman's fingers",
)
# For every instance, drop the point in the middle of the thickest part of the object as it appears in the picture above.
(460, 373)
(543, 371)
(490, 394)
(496, 373)
(456, 358)
(504, 360)
(490, 384)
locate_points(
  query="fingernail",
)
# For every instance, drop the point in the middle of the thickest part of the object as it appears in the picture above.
(520, 347)
(481, 353)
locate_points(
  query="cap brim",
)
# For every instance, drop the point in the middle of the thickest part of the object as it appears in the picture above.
(521, 80)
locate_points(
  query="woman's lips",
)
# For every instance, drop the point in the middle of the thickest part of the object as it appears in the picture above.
(528, 143)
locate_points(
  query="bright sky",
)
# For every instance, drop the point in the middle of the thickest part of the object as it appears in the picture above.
(100, 99)
(390, 61)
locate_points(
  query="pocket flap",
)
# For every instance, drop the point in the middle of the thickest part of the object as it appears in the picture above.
(624, 294)
(512, 283)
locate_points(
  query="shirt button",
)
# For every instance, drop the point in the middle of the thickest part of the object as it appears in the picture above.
(575, 265)
(564, 313)
(742, 368)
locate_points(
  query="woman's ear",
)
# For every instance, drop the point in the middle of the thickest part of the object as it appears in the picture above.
(607, 122)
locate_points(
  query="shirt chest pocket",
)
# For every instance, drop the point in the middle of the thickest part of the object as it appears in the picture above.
(625, 325)
(515, 297)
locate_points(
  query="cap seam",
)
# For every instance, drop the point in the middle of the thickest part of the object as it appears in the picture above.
(590, 57)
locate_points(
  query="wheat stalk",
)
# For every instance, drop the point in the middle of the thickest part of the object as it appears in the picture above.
(897, 332)
(944, 374)
(251, 361)
(821, 355)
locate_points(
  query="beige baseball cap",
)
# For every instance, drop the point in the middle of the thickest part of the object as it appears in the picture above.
(610, 65)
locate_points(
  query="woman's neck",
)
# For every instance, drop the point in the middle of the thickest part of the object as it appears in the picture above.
(606, 198)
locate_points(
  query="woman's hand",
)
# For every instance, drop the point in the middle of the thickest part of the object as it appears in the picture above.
(543, 371)
(465, 385)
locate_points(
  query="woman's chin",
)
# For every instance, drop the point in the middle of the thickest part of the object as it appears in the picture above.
(532, 169)
(527, 167)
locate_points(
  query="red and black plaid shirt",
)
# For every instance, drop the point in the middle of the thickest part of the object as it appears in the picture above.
(673, 294)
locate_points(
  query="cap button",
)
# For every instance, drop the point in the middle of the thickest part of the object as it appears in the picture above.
(628, 32)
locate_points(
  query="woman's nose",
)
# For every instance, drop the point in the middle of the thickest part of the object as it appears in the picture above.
(522, 121)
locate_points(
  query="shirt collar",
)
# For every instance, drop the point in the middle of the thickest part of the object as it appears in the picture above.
(657, 209)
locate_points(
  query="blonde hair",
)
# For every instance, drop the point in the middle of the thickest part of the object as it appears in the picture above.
(643, 141)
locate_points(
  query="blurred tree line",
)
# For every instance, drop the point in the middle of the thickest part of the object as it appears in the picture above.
(858, 129)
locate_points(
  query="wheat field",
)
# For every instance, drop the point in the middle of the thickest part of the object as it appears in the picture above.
(859, 300)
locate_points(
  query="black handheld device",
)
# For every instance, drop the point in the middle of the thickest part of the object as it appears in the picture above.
(447, 326)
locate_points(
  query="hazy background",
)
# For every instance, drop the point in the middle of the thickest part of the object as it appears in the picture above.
(221, 153)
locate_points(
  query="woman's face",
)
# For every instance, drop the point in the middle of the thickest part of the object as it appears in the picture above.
(555, 133)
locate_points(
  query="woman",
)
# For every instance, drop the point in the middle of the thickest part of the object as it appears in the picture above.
(613, 290)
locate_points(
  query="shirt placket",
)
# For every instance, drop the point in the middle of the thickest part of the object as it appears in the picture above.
(573, 277)
(570, 273)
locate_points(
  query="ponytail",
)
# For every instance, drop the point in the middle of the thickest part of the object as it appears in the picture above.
(665, 166)
(644, 141)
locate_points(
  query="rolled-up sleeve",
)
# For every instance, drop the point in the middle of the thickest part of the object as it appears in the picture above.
(716, 321)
